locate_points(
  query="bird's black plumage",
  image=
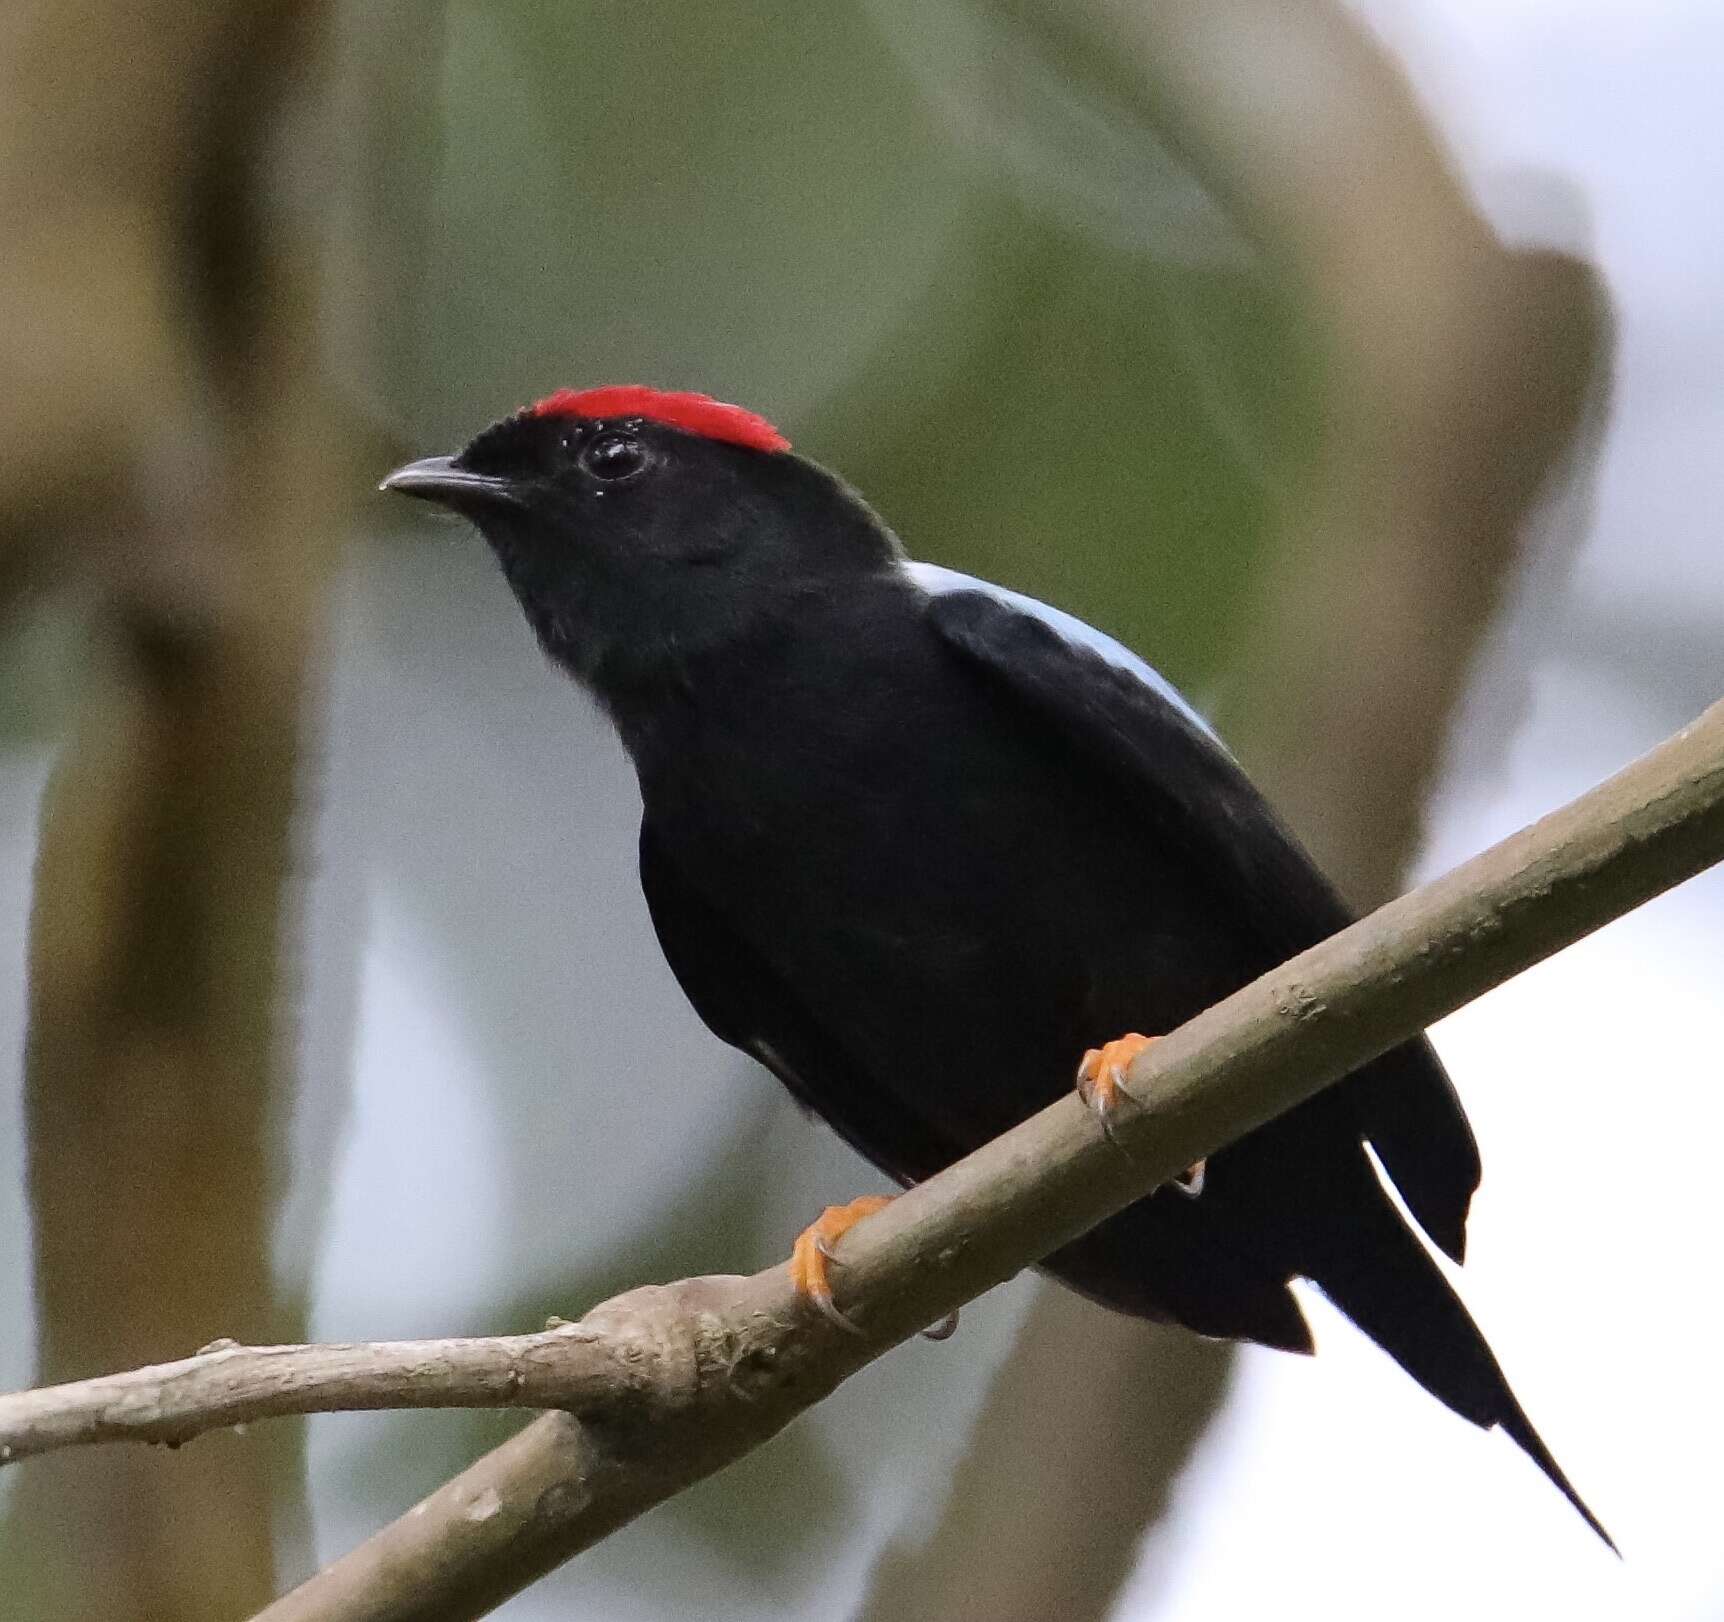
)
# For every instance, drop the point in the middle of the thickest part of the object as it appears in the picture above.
(916, 846)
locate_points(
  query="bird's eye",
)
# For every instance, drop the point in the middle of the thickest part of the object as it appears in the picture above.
(614, 456)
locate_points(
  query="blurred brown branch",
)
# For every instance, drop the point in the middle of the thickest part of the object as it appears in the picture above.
(669, 1383)
(168, 453)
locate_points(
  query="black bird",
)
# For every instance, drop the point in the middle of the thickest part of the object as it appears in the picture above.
(892, 813)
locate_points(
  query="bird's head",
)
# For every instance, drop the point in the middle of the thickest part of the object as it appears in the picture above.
(641, 528)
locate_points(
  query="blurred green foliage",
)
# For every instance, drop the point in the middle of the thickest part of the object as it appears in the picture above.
(38, 665)
(771, 205)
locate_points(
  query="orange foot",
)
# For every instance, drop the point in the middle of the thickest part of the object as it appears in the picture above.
(813, 1251)
(1100, 1076)
(1100, 1080)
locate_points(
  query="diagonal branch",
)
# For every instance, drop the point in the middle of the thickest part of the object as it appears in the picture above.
(669, 1383)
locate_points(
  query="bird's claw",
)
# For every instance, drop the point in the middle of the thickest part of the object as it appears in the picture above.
(1101, 1075)
(811, 1255)
(1101, 1085)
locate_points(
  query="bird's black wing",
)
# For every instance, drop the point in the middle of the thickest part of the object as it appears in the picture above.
(742, 1000)
(1195, 799)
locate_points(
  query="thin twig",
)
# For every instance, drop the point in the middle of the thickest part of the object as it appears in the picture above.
(703, 1371)
(226, 1384)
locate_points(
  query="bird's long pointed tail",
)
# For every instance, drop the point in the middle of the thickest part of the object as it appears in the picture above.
(1382, 1278)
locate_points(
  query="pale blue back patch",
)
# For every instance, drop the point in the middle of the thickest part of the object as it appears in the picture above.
(935, 580)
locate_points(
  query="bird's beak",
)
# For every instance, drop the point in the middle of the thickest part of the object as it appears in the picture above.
(443, 479)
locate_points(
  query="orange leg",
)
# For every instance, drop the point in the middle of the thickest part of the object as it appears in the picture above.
(813, 1251)
(1100, 1080)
